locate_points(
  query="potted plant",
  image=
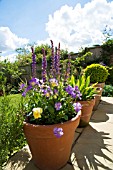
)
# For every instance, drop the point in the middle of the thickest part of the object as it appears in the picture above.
(98, 74)
(51, 115)
(87, 97)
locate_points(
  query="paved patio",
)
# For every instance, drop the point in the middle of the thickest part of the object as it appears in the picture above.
(92, 147)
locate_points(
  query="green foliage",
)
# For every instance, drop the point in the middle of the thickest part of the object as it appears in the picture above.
(109, 79)
(107, 51)
(88, 91)
(11, 123)
(97, 73)
(24, 59)
(9, 74)
(108, 91)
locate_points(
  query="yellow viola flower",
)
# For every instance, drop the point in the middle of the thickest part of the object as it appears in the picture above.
(47, 94)
(55, 96)
(37, 112)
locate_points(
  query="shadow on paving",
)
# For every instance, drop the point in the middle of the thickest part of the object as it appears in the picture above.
(102, 112)
(19, 160)
(89, 151)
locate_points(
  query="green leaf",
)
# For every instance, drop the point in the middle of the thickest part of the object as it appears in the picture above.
(72, 81)
(51, 109)
(65, 117)
(87, 81)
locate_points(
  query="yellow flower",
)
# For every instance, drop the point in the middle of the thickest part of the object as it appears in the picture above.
(55, 96)
(53, 84)
(47, 94)
(37, 112)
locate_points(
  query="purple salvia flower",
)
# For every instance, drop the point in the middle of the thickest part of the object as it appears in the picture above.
(33, 63)
(58, 106)
(58, 132)
(77, 107)
(52, 59)
(44, 66)
(58, 62)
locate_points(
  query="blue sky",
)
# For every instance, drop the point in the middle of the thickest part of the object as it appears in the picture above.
(74, 23)
(27, 18)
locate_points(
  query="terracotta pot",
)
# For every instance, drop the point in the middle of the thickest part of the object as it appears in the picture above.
(97, 98)
(87, 107)
(100, 85)
(48, 151)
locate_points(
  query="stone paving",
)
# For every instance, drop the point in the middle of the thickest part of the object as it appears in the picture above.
(92, 147)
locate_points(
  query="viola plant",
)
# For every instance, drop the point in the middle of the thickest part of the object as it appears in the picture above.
(50, 100)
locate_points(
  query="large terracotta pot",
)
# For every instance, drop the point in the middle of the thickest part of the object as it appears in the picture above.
(48, 151)
(87, 107)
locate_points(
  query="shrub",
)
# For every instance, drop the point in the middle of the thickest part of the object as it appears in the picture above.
(97, 73)
(109, 79)
(108, 91)
(11, 122)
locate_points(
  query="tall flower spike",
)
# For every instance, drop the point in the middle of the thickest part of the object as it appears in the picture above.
(58, 61)
(33, 63)
(44, 66)
(52, 59)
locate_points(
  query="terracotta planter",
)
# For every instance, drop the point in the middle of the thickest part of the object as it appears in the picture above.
(48, 151)
(87, 107)
(100, 85)
(97, 98)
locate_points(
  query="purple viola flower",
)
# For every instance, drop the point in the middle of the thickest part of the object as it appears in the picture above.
(76, 88)
(69, 89)
(33, 63)
(79, 95)
(34, 81)
(77, 107)
(73, 95)
(58, 132)
(22, 86)
(58, 106)
(53, 82)
(28, 88)
(24, 94)
(55, 91)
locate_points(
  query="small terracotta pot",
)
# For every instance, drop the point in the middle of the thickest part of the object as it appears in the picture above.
(87, 107)
(97, 98)
(100, 85)
(48, 151)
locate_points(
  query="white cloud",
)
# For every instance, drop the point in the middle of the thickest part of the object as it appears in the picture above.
(9, 41)
(77, 27)
(9, 57)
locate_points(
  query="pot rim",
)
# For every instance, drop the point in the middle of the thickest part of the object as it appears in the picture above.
(78, 115)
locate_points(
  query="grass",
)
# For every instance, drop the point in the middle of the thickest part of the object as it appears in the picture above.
(11, 127)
